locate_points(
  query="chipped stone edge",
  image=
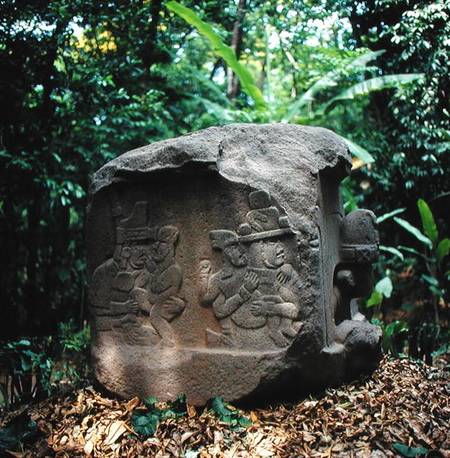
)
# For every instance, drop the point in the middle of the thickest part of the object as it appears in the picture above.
(176, 153)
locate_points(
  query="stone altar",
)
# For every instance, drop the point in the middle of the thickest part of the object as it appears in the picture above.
(221, 264)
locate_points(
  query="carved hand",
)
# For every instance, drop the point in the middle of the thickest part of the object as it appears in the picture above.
(251, 281)
(258, 308)
(283, 277)
(133, 306)
(263, 306)
(204, 268)
(173, 306)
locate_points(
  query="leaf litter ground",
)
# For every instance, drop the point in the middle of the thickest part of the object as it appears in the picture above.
(403, 409)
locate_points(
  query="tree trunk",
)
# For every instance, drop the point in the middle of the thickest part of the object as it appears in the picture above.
(236, 44)
(150, 50)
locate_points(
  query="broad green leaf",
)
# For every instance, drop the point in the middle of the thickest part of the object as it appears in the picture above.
(443, 249)
(386, 216)
(428, 222)
(150, 402)
(24, 342)
(392, 250)
(359, 151)
(396, 327)
(376, 298)
(414, 231)
(219, 407)
(226, 415)
(350, 202)
(409, 452)
(363, 60)
(436, 291)
(430, 280)
(374, 84)
(325, 82)
(414, 252)
(221, 50)
(308, 96)
(442, 350)
(244, 422)
(384, 286)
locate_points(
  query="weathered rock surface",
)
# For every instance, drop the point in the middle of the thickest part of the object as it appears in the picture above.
(221, 263)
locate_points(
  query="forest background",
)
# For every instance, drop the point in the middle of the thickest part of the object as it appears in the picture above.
(82, 82)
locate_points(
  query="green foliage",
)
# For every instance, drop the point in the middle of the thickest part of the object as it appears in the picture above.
(18, 431)
(73, 340)
(382, 289)
(330, 80)
(408, 451)
(432, 259)
(82, 88)
(414, 231)
(145, 423)
(37, 367)
(443, 249)
(411, 144)
(371, 85)
(221, 50)
(392, 250)
(428, 222)
(295, 110)
(388, 215)
(359, 151)
(228, 414)
(395, 334)
(427, 333)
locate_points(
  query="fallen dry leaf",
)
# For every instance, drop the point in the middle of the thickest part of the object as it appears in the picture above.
(402, 402)
(114, 432)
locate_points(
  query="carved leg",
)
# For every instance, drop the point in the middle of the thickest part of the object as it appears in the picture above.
(163, 328)
(223, 339)
(273, 323)
(287, 327)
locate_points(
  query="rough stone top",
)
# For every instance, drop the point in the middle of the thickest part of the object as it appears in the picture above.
(235, 150)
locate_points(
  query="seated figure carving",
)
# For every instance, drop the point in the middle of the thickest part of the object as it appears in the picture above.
(135, 293)
(228, 289)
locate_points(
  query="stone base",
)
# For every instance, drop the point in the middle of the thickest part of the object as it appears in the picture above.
(199, 373)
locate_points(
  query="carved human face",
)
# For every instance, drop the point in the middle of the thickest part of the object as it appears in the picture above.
(273, 255)
(355, 279)
(161, 249)
(236, 255)
(138, 256)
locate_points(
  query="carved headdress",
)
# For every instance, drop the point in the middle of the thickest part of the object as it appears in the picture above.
(359, 237)
(223, 238)
(134, 228)
(263, 220)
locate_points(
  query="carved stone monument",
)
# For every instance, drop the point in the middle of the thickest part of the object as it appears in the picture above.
(221, 263)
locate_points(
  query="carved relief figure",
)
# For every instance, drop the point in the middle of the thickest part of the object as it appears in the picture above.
(230, 288)
(164, 283)
(115, 293)
(279, 295)
(255, 287)
(135, 292)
